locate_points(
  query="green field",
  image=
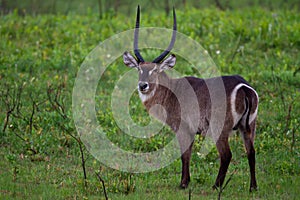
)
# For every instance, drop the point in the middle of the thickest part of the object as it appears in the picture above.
(41, 153)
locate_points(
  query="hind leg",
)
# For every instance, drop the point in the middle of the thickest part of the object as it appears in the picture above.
(248, 136)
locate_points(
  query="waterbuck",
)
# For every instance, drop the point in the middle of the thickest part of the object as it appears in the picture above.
(191, 106)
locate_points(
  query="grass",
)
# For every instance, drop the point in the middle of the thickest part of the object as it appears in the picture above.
(39, 59)
(60, 178)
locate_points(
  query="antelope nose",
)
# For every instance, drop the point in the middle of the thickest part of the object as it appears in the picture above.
(143, 86)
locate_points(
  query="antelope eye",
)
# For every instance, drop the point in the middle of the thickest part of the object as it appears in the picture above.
(153, 71)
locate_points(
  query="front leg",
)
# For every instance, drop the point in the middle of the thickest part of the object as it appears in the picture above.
(225, 157)
(185, 160)
(185, 139)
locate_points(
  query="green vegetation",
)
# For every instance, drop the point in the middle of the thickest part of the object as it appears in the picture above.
(125, 6)
(41, 154)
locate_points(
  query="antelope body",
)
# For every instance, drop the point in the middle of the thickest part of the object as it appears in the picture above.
(187, 117)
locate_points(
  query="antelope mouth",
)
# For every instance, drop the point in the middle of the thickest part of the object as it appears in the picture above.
(144, 91)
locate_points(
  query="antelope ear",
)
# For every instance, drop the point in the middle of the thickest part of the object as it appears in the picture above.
(129, 60)
(168, 63)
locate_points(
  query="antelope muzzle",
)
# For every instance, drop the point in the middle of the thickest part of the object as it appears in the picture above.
(143, 87)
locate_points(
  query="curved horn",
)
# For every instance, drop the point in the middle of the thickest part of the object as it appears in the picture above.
(136, 37)
(165, 53)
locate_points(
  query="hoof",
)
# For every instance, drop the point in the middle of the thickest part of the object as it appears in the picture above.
(253, 189)
(215, 187)
(183, 185)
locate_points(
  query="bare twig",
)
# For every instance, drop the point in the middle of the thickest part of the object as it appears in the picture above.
(103, 185)
(11, 99)
(288, 117)
(221, 189)
(60, 109)
(19, 136)
(8, 113)
(82, 158)
(6, 97)
(32, 115)
(81, 149)
(55, 101)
